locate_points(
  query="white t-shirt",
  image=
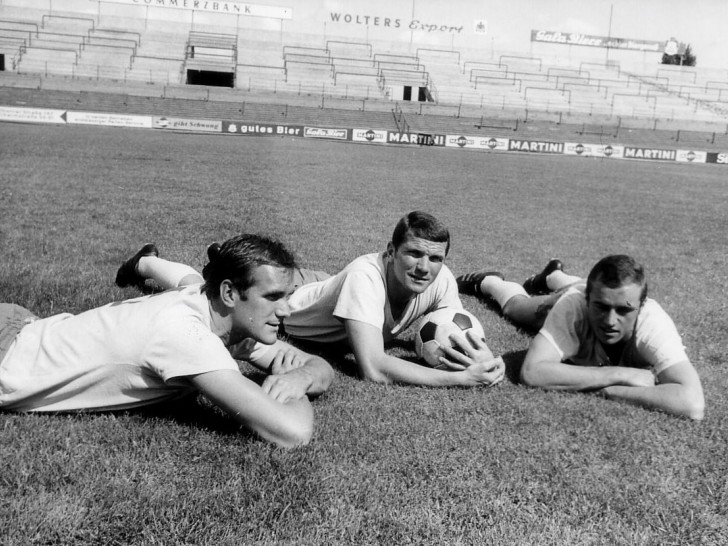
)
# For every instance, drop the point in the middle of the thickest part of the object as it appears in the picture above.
(655, 344)
(359, 292)
(122, 355)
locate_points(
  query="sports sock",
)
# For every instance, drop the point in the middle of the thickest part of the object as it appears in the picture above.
(558, 279)
(501, 291)
(163, 272)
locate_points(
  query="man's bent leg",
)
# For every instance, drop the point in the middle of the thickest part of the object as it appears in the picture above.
(516, 304)
(303, 276)
(559, 280)
(167, 274)
(529, 312)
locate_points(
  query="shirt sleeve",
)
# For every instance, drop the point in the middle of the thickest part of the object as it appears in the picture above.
(562, 325)
(658, 341)
(186, 346)
(362, 298)
(449, 294)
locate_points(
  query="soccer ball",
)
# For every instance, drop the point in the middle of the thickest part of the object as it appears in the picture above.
(434, 331)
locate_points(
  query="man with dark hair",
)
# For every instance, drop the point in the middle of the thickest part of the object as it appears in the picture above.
(150, 349)
(422, 225)
(243, 253)
(604, 335)
(374, 299)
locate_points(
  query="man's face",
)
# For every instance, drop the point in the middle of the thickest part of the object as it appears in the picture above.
(261, 308)
(612, 312)
(416, 264)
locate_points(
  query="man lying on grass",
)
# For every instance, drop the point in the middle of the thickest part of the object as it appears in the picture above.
(604, 335)
(154, 348)
(371, 301)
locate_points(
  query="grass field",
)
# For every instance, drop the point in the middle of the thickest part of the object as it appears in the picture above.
(389, 464)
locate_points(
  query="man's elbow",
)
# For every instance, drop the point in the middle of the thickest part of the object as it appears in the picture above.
(695, 409)
(371, 372)
(327, 377)
(297, 433)
(295, 437)
(529, 376)
(294, 430)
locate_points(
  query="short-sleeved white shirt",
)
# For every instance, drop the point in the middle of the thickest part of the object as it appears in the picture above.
(655, 344)
(122, 355)
(359, 292)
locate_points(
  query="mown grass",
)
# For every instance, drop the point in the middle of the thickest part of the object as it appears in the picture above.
(389, 464)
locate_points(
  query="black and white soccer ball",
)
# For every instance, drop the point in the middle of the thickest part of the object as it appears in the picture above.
(434, 331)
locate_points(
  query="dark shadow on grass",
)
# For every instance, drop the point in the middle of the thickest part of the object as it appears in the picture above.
(404, 344)
(514, 361)
(337, 354)
(195, 411)
(491, 304)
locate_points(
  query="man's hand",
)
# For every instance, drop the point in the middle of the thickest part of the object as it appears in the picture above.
(287, 359)
(293, 372)
(289, 385)
(637, 377)
(486, 374)
(473, 357)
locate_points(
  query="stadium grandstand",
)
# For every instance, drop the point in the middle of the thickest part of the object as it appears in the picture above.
(407, 67)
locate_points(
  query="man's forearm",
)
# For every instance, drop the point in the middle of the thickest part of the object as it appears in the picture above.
(560, 376)
(670, 398)
(390, 369)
